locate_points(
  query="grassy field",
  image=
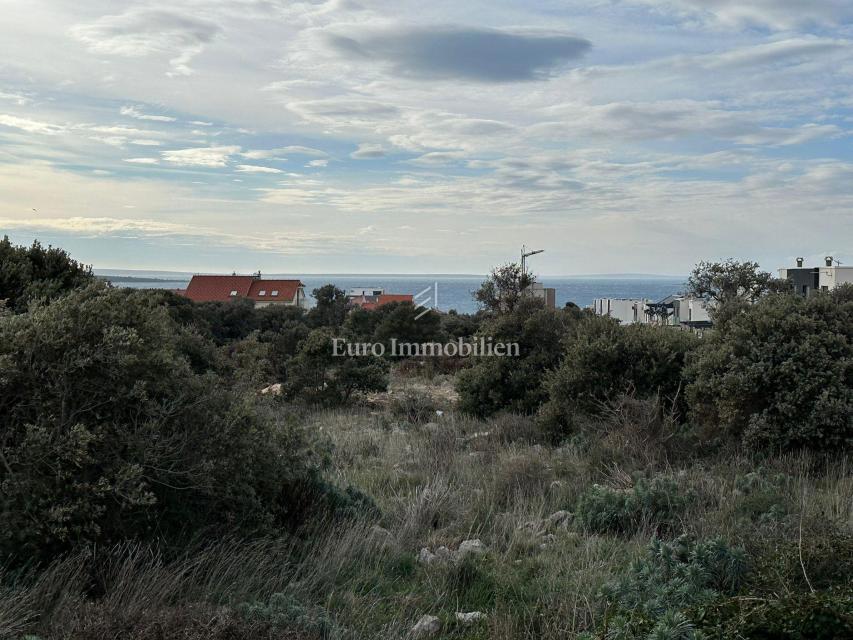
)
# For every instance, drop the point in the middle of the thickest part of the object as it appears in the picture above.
(556, 525)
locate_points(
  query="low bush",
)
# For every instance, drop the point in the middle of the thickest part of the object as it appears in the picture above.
(515, 384)
(778, 375)
(413, 406)
(112, 431)
(658, 597)
(603, 360)
(316, 376)
(657, 502)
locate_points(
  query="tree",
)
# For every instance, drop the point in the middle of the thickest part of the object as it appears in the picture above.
(110, 431)
(515, 383)
(779, 375)
(603, 359)
(403, 321)
(316, 375)
(331, 308)
(503, 289)
(723, 282)
(30, 273)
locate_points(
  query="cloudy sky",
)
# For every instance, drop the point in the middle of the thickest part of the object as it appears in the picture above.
(431, 137)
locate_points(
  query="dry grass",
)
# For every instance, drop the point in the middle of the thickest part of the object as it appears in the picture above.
(438, 482)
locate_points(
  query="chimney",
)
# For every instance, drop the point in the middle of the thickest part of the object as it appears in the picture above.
(799, 262)
(828, 261)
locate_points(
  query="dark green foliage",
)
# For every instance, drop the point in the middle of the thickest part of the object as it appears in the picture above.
(515, 383)
(661, 593)
(413, 407)
(731, 280)
(460, 325)
(801, 616)
(316, 376)
(111, 431)
(285, 610)
(397, 320)
(228, 321)
(504, 289)
(779, 375)
(657, 502)
(762, 497)
(603, 360)
(331, 307)
(400, 321)
(35, 273)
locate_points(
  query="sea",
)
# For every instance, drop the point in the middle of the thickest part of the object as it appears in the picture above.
(453, 291)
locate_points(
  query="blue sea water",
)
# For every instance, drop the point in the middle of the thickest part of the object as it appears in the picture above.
(454, 292)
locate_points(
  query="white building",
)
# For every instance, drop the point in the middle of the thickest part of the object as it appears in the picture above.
(625, 310)
(834, 276)
(808, 280)
(674, 310)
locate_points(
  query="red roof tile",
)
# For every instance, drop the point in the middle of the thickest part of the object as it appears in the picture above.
(285, 290)
(385, 298)
(220, 289)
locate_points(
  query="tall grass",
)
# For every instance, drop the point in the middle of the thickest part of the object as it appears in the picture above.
(437, 482)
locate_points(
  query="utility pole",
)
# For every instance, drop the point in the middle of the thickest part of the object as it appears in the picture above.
(525, 255)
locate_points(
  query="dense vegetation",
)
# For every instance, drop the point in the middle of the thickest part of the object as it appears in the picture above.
(179, 470)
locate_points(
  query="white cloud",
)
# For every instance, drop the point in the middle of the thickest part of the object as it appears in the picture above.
(279, 153)
(144, 32)
(776, 14)
(17, 98)
(253, 168)
(437, 158)
(134, 112)
(317, 163)
(142, 160)
(30, 126)
(201, 156)
(368, 151)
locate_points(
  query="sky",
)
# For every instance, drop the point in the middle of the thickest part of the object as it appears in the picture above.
(620, 136)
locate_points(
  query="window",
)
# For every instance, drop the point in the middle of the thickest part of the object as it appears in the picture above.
(262, 292)
(274, 292)
(233, 294)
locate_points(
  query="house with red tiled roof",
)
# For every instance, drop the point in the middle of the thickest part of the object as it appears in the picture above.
(371, 298)
(261, 291)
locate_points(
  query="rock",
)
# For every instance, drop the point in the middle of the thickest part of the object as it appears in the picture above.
(439, 413)
(556, 485)
(547, 540)
(426, 626)
(426, 556)
(533, 526)
(470, 618)
(469, 547)
(273, 389)
(560, 519)
(443, 553)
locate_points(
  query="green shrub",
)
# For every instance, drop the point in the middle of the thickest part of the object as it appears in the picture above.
(778, 375)
(316, 376)
(800, 616)
(413, 406)
(662, 590)
(285, 610)
(603, 360)
(111, 431)
(35, 273)
(515, 384)
(658, 502)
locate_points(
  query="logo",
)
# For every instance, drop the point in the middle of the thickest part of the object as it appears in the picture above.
(424, 298)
